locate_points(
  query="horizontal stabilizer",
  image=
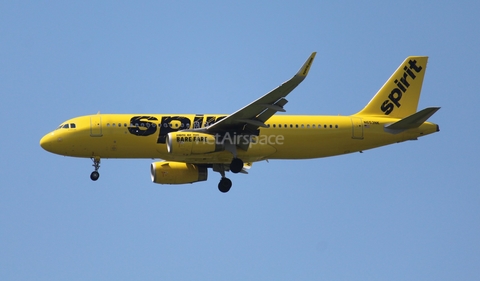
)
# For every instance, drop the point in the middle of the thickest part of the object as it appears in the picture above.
(413, 121)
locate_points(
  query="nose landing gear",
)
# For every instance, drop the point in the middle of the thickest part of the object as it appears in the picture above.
(96, 164)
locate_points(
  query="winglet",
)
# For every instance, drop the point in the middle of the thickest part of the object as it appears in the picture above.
(306, 66)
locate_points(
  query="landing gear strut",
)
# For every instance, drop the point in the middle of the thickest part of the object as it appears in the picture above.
(96, 164)
(236, 166)
(225, 183)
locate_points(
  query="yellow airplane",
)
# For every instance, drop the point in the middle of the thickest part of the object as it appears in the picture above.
(192, 143)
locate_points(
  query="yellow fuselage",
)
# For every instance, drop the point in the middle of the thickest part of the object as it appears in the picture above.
(287, 136)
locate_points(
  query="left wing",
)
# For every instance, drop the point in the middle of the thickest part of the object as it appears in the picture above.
(251, 117)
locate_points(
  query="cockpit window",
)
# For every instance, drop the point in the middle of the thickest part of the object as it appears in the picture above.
(72, 125)
(65, 126)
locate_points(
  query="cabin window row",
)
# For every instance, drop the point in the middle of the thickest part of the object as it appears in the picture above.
(73, 126)
(148, 125)
(119, 125)
(153, 125)
(308, 126)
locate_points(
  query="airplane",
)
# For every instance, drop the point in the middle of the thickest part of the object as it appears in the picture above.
(190, 144)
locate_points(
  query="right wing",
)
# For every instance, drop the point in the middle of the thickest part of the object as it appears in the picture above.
(248, 119)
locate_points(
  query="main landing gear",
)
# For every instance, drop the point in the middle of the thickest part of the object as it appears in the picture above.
(96, 164)
(224, 185)
(235, 167)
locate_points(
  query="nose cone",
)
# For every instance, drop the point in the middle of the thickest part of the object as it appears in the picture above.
(47, 142)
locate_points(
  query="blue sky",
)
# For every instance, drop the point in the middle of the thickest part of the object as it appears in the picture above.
(408, 211)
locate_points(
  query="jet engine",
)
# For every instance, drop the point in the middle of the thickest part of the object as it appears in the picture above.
(166, 172)
(187, 143)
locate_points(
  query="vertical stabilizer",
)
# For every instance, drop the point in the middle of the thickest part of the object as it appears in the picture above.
(399, 96)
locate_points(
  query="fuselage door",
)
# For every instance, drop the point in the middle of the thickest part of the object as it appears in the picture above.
(357, 128)
(96, 125)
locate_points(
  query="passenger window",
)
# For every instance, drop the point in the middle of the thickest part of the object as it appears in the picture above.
(113, 124)
(274, 125)
(313, 126)
(296, 125)
(302, 125)
(336, 126)
(279, 125)
(125, 124)
(308, 126)
(330, 126)
(291, 126)
(72, 125)
(325, 126)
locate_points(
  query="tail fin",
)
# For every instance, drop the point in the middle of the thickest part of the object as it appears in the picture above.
(398, 98)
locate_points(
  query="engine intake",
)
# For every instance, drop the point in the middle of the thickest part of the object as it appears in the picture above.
(177, 172)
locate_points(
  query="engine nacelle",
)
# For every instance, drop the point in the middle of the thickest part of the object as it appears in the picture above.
(166, 172)
(188, 143)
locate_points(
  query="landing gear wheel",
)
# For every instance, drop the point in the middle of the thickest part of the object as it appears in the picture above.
(236, 166)
(96, 164)
(94, 176)
(224, 185)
